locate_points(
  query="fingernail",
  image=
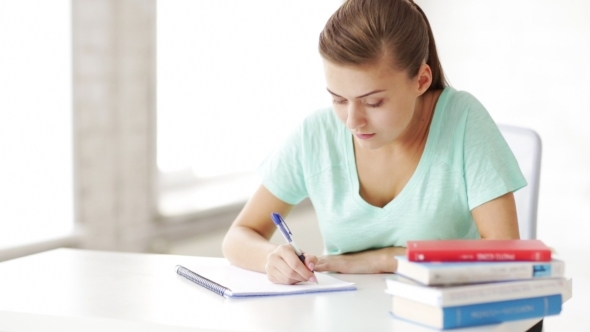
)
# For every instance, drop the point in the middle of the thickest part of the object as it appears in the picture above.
(311, 266)
(313, 279)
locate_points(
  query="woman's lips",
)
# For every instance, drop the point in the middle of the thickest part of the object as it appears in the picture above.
(364, 136)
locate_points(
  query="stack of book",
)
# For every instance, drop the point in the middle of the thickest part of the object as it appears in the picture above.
(460, 283)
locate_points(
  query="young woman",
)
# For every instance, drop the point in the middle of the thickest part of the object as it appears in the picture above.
(400, 156)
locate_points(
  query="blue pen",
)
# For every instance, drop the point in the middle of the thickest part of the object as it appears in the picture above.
(282, 226)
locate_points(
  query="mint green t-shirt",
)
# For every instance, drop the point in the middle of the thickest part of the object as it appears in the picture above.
(466, 162)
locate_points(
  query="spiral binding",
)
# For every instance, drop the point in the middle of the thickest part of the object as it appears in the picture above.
(202, 281)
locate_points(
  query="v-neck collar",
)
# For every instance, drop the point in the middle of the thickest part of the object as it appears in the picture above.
(418, 174)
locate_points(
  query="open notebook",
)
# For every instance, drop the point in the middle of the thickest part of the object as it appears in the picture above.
(231, 281)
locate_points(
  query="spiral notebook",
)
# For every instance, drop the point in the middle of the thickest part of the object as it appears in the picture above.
(234, 282)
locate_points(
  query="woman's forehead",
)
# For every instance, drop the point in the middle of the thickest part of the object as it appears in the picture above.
(361, 77)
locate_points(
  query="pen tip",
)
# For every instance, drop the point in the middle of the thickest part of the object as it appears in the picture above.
(313, 279)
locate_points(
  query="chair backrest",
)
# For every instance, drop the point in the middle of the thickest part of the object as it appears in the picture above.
(526, 146)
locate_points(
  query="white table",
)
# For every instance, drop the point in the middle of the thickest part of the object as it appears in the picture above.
(81, 290)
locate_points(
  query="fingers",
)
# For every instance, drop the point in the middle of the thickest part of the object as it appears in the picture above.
(284, 267)
(310, 262)
(323, 264)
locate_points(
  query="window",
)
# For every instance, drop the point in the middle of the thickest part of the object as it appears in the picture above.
(234, 78)
(36, 178)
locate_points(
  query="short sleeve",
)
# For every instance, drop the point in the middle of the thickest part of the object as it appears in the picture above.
(282, 171)
(490, 168)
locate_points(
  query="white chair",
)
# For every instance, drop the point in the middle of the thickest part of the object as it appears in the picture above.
(526, 146)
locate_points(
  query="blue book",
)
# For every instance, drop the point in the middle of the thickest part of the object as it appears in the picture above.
(476, 314)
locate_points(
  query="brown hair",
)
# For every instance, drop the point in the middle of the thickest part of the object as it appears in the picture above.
(364, 31)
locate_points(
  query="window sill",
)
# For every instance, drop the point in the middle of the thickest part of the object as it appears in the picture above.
(72, 238)
(207, 198)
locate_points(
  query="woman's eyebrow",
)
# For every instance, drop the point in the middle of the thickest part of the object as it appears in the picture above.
(365, 95)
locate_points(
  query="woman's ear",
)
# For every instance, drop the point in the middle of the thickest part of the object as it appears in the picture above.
(424, 78)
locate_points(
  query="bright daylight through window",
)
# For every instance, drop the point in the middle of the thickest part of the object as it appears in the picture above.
(233, 79)
(36, 175)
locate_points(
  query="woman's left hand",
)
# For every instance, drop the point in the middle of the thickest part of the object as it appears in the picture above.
(370, 261)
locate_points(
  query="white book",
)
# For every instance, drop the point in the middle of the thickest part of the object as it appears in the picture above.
(447, 296)
(441, 273)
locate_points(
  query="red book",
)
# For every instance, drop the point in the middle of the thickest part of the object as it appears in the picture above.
(477, 250)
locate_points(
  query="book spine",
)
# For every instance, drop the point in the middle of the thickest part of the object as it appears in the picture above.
(501, 291)
(497, 312)
(494, 272)
(417, 255)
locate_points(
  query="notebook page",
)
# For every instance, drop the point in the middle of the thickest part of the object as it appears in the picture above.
(243, 282)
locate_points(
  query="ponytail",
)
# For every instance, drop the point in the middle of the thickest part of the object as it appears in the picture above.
(438, 76)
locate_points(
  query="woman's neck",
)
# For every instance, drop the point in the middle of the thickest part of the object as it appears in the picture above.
(413, 139)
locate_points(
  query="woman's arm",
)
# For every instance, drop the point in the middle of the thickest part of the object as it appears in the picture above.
(370, 261)
(247, 245)
(497, 218)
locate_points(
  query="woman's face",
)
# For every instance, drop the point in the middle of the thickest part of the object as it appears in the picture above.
(375, 102)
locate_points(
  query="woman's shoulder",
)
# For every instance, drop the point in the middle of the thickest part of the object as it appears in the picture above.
(460, 109)
(321, 119)
(457, 113)
(322, 124)
(318, 129)
(459, 100)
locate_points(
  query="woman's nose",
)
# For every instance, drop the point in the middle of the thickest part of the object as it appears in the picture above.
(356, 117)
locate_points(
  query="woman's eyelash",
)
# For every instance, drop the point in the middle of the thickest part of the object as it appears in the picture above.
(376, 104)
(340, 102)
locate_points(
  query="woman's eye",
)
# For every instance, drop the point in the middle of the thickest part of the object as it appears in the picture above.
(377, 104)
(335, 101)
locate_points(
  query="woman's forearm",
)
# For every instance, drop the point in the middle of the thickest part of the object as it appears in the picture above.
(370, 261)
(247, 249)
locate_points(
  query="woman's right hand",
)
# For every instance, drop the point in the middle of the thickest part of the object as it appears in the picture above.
(284, 267)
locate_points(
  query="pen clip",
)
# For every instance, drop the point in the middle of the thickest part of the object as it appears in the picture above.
(282, 225)
(285, 224)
